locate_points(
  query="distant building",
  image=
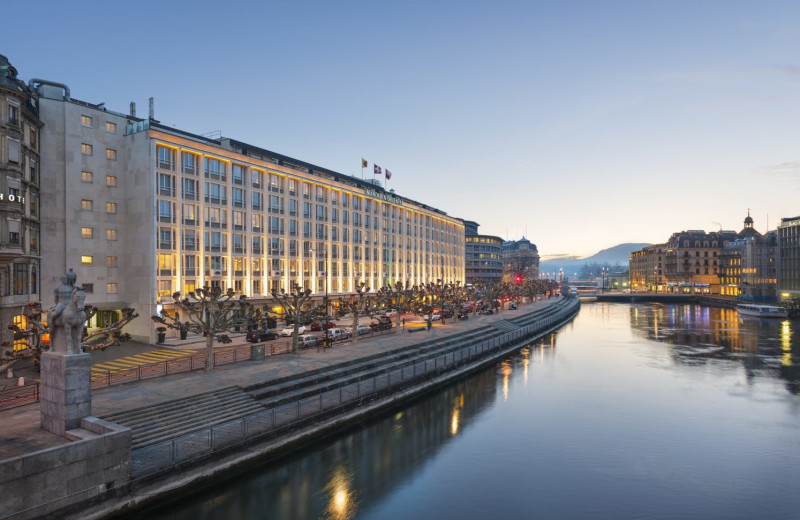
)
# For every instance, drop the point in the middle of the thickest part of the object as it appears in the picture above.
(747, 265)
(788, 252)
(692, 261)
(484, 256)
(646, 269)
(19, 198)
(520, 259)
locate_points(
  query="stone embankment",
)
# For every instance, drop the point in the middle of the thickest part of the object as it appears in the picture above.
(182, 443)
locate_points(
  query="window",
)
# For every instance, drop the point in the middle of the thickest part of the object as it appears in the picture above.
(111, 180)
(86, 176)
(111, 288)
(111, 127)
(189, 162)
(111, 261)
(86, 121)
(111, 154)
(111, 207)
(86, 260)
(86, 149)
(88, 288)
(13, 114)
(87, 205)
(111, 234)
(13, 237)
(165, 157)
(13, 150)
(87, 232)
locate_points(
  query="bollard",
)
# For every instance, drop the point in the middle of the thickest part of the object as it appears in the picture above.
(10, 374)
(21, 381)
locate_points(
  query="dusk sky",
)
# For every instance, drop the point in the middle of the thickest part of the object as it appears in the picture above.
(581, 125)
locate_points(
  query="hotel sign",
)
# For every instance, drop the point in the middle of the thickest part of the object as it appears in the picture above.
(383, 196)
(12, 198)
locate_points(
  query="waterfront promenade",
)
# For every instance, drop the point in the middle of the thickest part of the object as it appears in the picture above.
(20, 432)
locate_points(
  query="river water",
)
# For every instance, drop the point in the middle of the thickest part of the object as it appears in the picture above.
(629, 412)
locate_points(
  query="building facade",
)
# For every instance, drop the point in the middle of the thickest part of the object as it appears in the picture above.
(484, 256)
(788, 252)
(19, 198)
(150, 210)
(692, 263)
(520, 259)
(646, 269)
(748, 265)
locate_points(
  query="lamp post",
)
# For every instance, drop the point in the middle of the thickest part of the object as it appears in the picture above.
(655, 279)
(604, 274)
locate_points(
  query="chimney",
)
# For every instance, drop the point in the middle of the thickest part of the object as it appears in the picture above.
(152, 109)
(133, 109)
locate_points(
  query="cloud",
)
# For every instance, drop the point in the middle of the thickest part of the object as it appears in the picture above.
(789, 170)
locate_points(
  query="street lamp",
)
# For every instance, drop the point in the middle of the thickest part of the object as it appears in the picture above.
(655, 279)
(604, 271)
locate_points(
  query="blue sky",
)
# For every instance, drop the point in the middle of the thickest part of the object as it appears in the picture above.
(579, 124)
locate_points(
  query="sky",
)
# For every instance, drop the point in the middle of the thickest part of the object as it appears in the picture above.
(578, 124)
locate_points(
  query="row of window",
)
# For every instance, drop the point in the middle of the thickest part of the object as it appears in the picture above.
(88, 205)
(88, 232)
(111, 261)
(88, 149)
(88, 177)
(88, 122)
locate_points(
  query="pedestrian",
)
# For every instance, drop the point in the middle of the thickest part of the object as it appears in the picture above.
(404, 323)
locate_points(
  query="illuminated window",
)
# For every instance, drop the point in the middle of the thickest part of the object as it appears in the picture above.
(21, 321)
(111, 127)
(111, 234)
(86, 121)
(111, 207)
(87, 205)
(111, 154)
(111, 288)
(86, 232)
(86, 149)
(86, 176)
(111, 180)
(111, 261)
(86, 260)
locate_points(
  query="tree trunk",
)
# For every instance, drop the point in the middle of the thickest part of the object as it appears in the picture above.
(355, 327)
(295, 348)
(209, 352)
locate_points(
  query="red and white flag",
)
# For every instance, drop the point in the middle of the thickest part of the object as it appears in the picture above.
(377, 169)
(388, 174)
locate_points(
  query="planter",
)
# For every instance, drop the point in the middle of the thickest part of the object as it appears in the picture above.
(162, 337)
(184, 333)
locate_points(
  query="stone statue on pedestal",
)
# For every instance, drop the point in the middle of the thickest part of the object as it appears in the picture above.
(67, 318)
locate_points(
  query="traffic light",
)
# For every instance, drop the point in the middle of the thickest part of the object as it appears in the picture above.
(518, 279)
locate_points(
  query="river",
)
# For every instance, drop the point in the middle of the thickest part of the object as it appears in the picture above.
(629, 412)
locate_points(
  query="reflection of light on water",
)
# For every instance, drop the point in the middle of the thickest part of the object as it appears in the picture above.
(655, 325)
(526, 353)
(454, 422)
(786, 344)
(506, 369)
(342, 504)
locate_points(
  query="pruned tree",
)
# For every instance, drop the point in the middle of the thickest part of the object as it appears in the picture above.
(455, 296)
(360, 303)
(31, 335)
(208, 311)
(427, 297)
(297, 308)
(401, 297)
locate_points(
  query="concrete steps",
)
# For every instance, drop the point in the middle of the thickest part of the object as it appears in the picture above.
(163, 421)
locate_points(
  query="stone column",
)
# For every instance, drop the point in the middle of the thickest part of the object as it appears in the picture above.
(66, 391)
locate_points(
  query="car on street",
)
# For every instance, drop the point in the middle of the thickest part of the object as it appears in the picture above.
(433, 317)
(288, 331)
(338, 334)
(391, 314)
(362, 330)
(254, 336)
(381, 324)
(309, 340)
(322, 325)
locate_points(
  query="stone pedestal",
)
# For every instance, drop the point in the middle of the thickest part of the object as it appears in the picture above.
(65, 391)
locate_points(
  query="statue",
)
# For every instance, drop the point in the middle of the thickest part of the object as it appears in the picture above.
(68, 318)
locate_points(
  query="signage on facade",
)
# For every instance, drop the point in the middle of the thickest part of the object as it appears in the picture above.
(12, 198)
(383, 196)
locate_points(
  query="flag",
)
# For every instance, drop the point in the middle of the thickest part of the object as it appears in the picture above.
(388, 174)
(363, 163)
(377, 169)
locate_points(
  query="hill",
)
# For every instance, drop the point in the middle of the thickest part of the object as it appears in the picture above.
(616, 256)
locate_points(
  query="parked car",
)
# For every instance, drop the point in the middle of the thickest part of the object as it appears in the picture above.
(288, 331)
(392, 314)
(432, 317)
(322, 325)
(254, 336)
(309, 340)
(381, 324)
(338, 334)
(362, 329)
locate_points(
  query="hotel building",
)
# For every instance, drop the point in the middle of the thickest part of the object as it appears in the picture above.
(19, 198)
(484, 256)
(141, 210)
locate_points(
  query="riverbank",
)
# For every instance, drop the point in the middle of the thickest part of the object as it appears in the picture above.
(419, 363)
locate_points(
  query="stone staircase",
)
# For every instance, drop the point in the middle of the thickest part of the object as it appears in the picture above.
(159, 422)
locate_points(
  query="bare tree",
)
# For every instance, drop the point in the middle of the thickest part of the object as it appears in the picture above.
(400, 297)
(209, 311)
(297, 308)
(427, 297)
(359, 304)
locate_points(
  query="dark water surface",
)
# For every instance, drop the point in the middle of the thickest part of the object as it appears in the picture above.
(629, 412)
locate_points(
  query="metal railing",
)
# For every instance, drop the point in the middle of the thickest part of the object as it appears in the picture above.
(201, 443)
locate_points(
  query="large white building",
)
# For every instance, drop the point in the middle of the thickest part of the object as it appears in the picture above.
(141, 210)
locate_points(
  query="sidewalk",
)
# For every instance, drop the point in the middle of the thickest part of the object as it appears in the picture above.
(19, 427)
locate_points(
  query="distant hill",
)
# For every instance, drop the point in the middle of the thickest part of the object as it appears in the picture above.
(613, 256)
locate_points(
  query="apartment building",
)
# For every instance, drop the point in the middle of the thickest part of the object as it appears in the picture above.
(148, 210)
(484, 256)
(19, 198)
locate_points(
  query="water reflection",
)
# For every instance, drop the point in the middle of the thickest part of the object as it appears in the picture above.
(701, 335)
